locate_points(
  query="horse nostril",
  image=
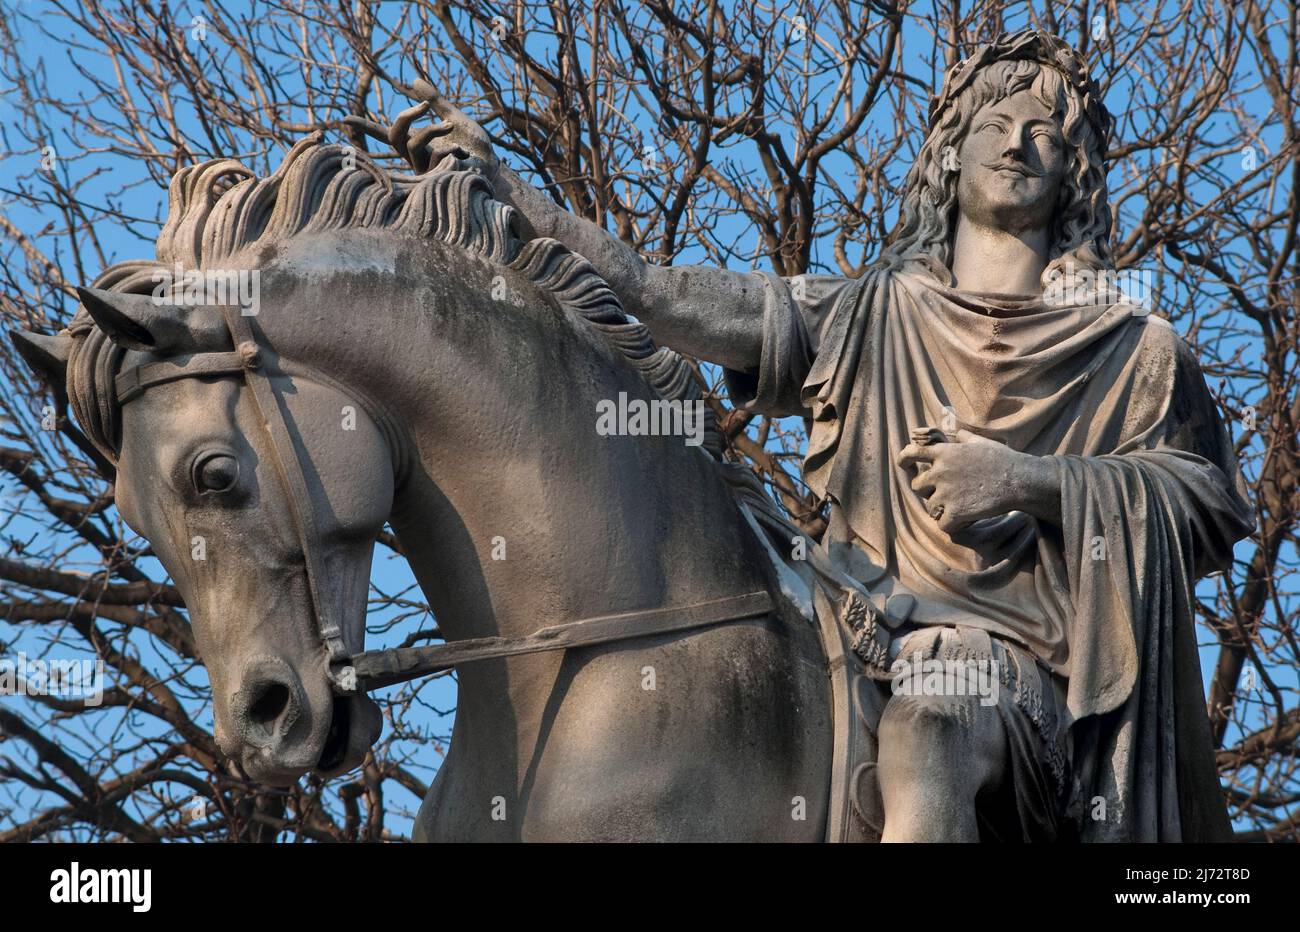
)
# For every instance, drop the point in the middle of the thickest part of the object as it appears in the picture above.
(270, 704)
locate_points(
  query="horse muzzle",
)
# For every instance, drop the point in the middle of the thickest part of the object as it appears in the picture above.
(280, 730)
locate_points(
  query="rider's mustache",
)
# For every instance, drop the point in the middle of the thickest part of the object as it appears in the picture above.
(1012, 165)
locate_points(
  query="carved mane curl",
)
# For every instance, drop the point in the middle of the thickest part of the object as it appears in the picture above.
(220, 209)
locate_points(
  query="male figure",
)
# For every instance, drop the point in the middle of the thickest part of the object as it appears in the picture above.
(1086, 482)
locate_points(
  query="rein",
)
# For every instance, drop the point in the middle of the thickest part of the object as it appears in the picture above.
(378, 668)
(374, 669)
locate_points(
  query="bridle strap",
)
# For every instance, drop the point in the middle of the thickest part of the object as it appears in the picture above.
(289, 468)
(378, 668)
(131, 384)
(246, 361)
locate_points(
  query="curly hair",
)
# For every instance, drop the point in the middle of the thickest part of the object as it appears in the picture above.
(922, 239)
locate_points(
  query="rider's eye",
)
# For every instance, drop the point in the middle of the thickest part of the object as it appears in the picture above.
(216, 472)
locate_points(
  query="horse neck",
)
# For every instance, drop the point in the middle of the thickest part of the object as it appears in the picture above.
(513, 512)
(518, 514)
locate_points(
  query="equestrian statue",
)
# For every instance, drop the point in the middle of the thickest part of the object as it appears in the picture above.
(1024, 472)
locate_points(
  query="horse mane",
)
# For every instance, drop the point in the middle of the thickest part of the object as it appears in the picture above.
(220, 209)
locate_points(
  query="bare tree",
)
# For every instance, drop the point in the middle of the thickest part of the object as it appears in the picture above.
(772, 134)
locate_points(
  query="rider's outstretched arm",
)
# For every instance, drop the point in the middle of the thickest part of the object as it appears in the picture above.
(711, 313)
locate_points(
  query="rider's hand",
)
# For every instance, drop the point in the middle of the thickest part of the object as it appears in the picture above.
(425, 147)
(973, 477)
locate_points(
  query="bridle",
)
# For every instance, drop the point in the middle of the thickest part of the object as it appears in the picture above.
(350, 673)
(247, 360)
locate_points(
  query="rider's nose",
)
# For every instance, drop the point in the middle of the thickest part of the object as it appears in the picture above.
(267, 704)
(1016, 144)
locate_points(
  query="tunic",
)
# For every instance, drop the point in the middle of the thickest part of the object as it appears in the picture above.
(1152, 498)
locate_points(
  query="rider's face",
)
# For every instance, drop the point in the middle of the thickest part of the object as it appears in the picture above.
(1012, 163)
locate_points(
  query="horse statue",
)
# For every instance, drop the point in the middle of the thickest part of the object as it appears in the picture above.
(412, 360)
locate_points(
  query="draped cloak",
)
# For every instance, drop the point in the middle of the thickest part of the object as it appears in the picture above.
(1151, 499)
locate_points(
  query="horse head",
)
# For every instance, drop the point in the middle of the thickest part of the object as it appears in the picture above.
(260, 484)
(201, 474)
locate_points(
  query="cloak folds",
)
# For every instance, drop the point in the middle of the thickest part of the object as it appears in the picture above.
(1151, 499)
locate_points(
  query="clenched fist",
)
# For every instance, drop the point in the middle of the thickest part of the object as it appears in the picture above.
(972, 477)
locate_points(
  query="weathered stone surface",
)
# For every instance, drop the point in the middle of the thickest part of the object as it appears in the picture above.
(1025, 474)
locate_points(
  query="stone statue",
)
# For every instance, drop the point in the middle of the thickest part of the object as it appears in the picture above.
(1025, 475)
(1088, 483)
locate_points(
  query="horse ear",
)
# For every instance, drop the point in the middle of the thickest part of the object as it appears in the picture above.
(128, 320)
(140, 322)
(47, 356)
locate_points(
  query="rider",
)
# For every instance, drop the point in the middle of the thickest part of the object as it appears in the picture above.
(1085, 482)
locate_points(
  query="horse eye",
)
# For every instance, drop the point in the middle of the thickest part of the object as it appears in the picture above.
(216, 472)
